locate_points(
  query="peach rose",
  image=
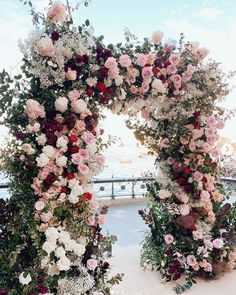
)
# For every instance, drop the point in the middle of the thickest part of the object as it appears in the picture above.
(45, 47)
(57, 12)
(157, 36)
(71, 75)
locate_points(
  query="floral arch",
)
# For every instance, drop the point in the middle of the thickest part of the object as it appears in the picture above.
(51, 227)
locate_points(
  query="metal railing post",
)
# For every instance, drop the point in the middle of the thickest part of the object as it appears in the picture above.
(112, 190)
(133, 193)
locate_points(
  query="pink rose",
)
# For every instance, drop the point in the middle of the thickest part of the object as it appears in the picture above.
(170, 161)
(71, 75)
(191, 260)
(125, 61)
(184, 209)
(100, 160)
(208, 244)
(147, 73)
(57, 12)
(174, 59)
(79, 106)
(176, 79)
(169, 239)
(45, 47)
(197, 235)
(171, 69)
(201, 53)
(182, 197)
(91, 220)
(144, 87)
(197, 175)
(74, 94)
(220, 124)
(215, 153)
(141, 60)
(111, 63)
(89, 137)
(205, 196)
(186, 76)
(76, 159)
(218, 243)
(39, 205)
(101, 219)
(192, 147)
(206, 147)
(92, 264)
(145, 113)
(84, 154)
(165, 143)
(34, 110)
(83, 169)
(93, 205)
(157, 36)
(113, 73)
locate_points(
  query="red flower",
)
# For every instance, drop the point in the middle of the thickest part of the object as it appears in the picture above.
(89, 127)
(79, 59)
(73, 138)
(63, 190)
(95, 116)
(193, 227)
(44, 290)
(88, 196)
(101, 86)
(204, 180)
(85, 58)
(197, 114)
(70, 175)
(50, 179)
(90, 91)
(155, 71)
(196, 125)
(55, 35)
(181, 180)
(74, 149)
(188, 187)
(18, 135)
(187, 171)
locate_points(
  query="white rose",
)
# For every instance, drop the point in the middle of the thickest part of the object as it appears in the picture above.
(52, 233)
(62, 143)
(41, 139)
(25, 280)
(60, 252)
(61, 104)
(73, 198)
(63, 263)
(49, 151)
(42, 160)
(119, 80)
(61, 161)
(53, 270)
(157, 36)
(92, 148)
(27, 148)
(64, 236)
(49, 246)
(79, 249)
(164, 194)
(44, 262)
(46, 216)
(79, 106)
(92, 81)
(159, 86)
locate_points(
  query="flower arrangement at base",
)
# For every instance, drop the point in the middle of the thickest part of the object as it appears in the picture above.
(51, 226)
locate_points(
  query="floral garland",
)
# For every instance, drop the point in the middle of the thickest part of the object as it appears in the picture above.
(51, 226)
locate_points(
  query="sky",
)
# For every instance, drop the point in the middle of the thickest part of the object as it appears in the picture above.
(212, 23)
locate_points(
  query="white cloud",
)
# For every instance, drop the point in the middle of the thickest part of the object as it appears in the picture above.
(209, 13)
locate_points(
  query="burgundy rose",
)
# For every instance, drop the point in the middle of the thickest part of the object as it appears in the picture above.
(50, 179)
(18, 135)
(89, 127)
(74, 149)
(44, 290)
(176, 276)
(85, 58)
(90, 91)
(187, 171)
(55, 35)
(181, 180)
(79, 59)
(3, 292)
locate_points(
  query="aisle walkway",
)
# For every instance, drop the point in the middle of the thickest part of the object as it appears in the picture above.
(125, 222)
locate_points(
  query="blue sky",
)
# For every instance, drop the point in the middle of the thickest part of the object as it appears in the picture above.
(212, 23)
